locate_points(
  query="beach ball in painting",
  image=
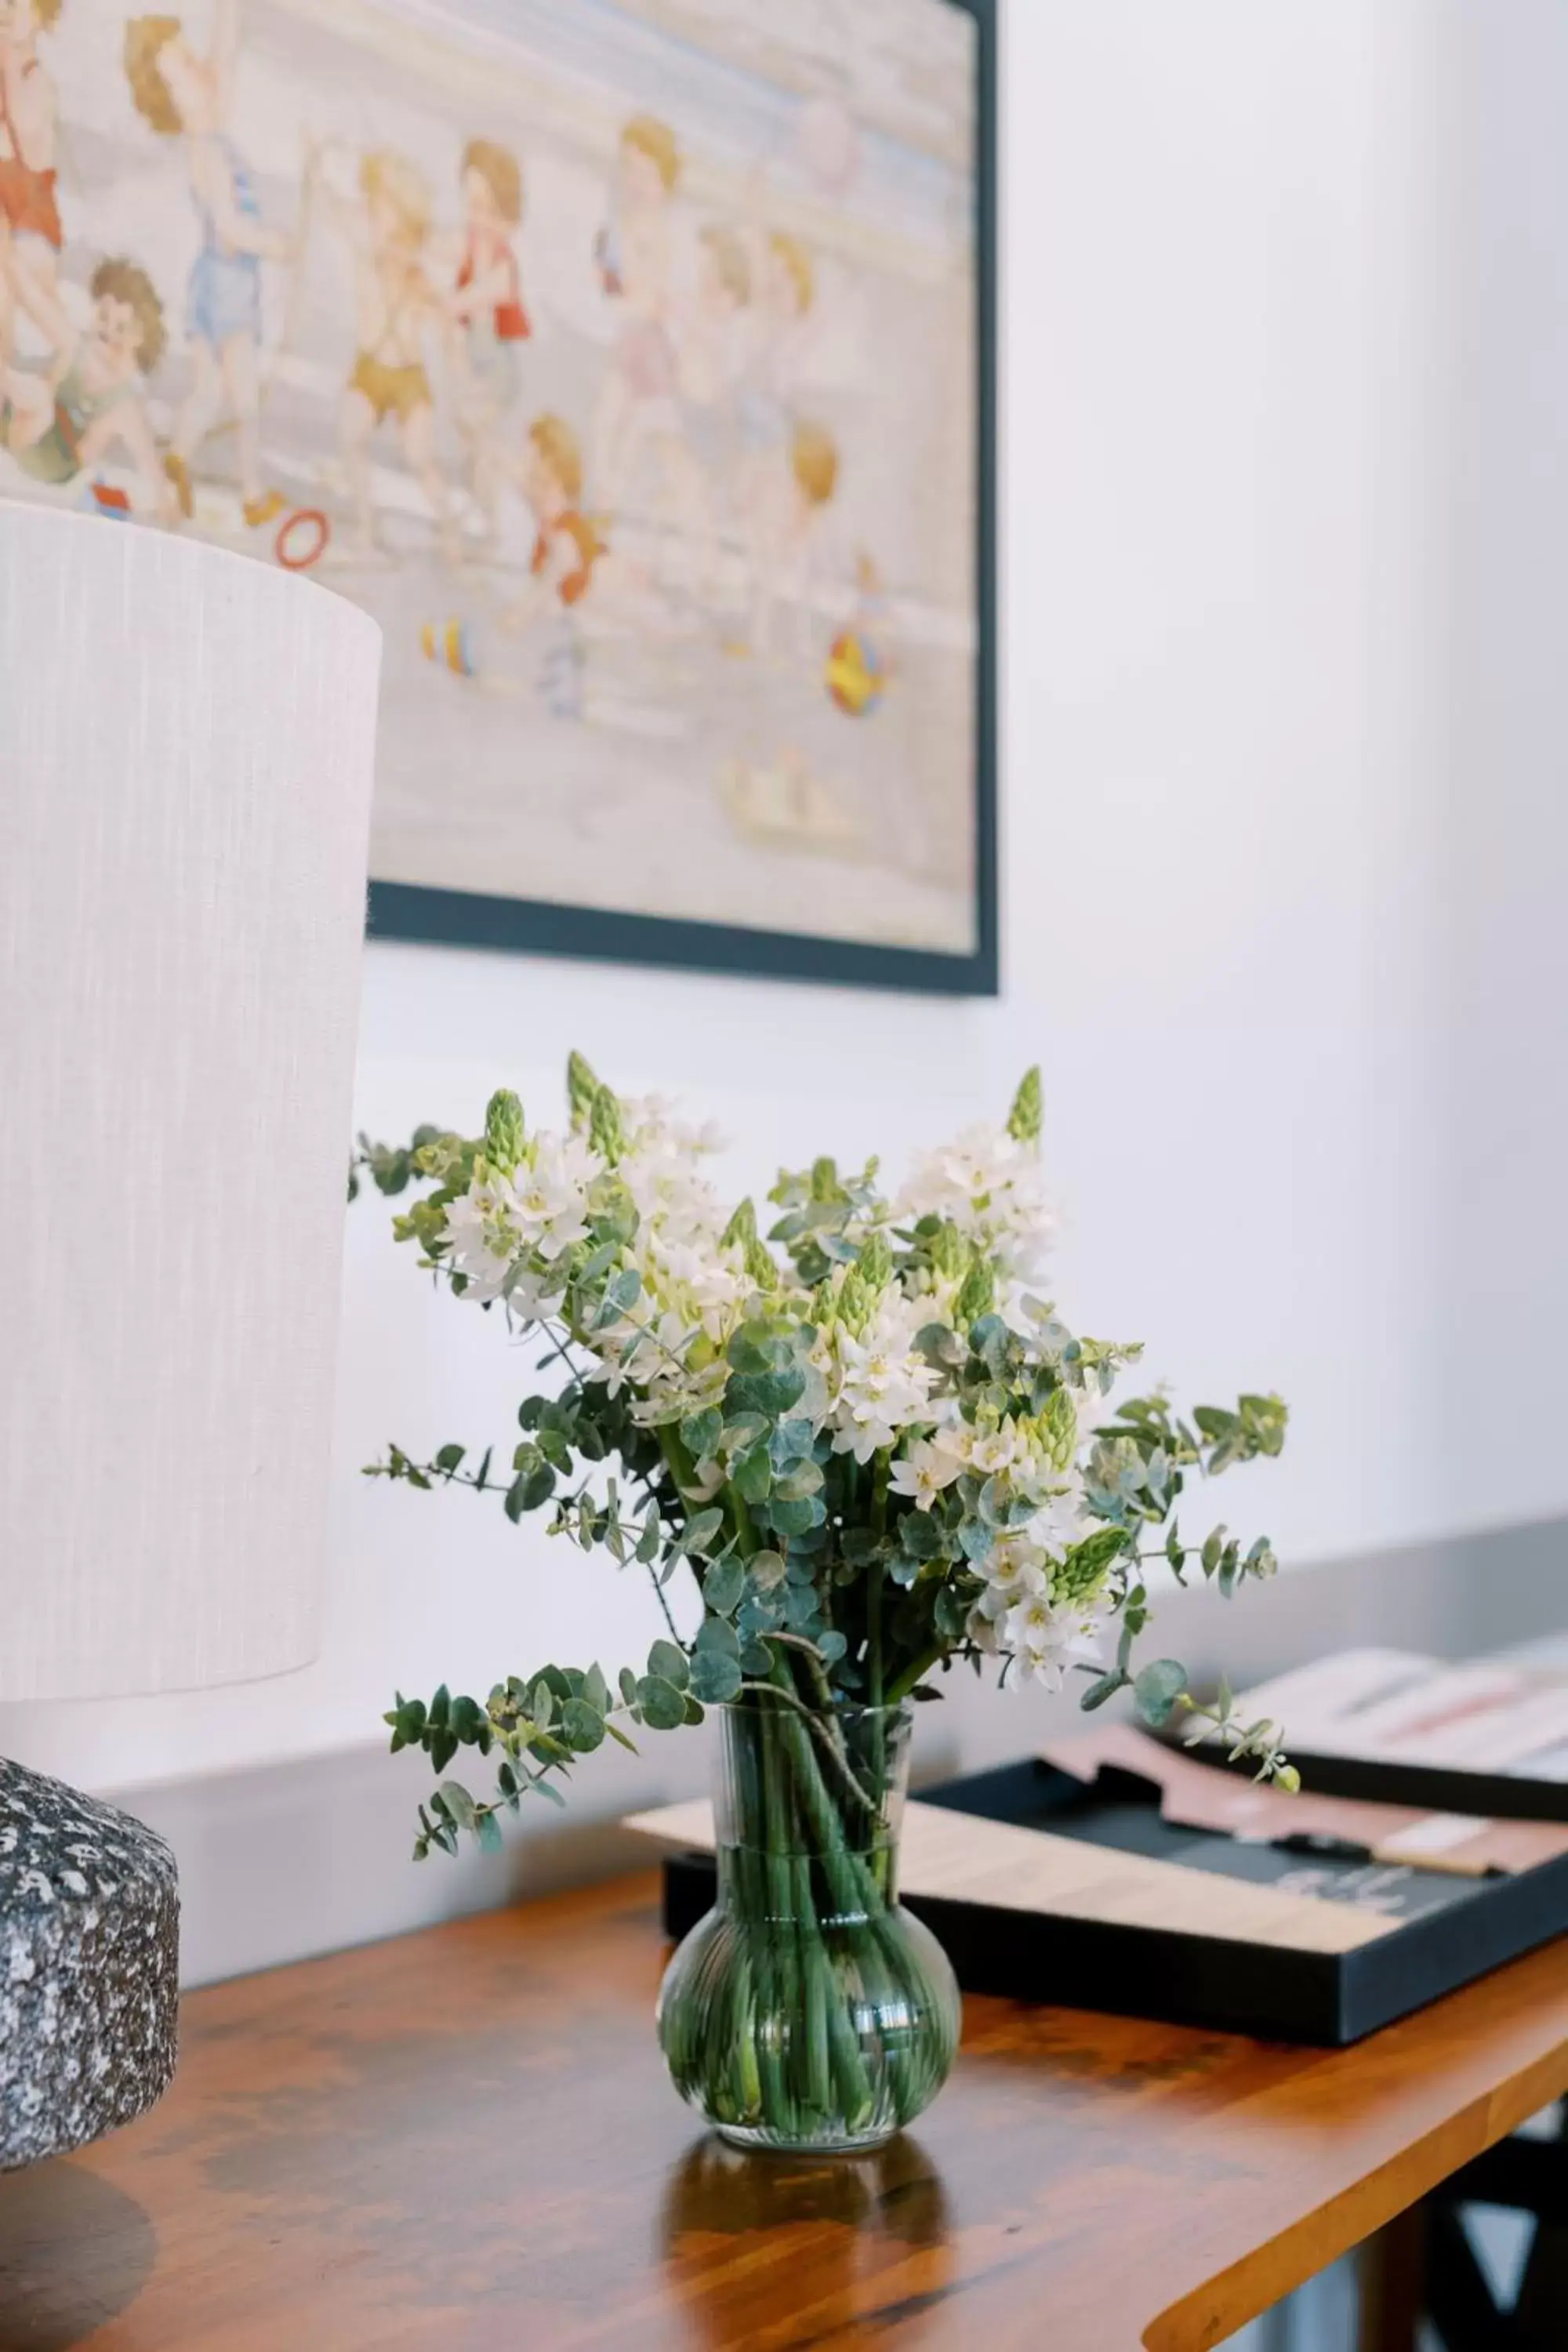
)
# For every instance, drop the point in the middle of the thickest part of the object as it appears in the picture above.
(856, 676)
(450, 644)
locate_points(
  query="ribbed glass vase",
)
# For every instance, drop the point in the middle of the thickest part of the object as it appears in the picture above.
(809, 2011)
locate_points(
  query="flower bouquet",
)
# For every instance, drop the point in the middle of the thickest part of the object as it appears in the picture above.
(878, 1453)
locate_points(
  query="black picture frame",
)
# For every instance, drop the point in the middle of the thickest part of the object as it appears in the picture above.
(400, 910)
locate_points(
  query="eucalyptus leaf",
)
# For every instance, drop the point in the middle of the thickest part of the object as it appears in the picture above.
(700, 1433)
(663, 1706)
(724, 1584)
(715, 1637)
(455, 1800)
(1157, 1689)
(920, 1535)
(581, 1726)
(753, 1475)
(698, 1532)
(714, 1677)
(795, 1518)
(668, 1662)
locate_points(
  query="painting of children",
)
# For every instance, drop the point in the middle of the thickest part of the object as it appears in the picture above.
(604, 351)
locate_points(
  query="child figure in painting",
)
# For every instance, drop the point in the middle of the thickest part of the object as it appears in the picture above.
(709, 324)
(785, 293)
(708, 355)
(485, 308)
(566, 549)
(30, 232)
(395, 305)
(787, 509)
(785, 474)
(60, 424)
(184, 95)
(637, 406)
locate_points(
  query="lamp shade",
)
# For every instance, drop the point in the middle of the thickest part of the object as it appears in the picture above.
(186, 745)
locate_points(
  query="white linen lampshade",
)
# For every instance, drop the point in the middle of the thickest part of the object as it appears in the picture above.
(186, 745)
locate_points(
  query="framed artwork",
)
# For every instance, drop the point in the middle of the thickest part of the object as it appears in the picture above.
(631, 360)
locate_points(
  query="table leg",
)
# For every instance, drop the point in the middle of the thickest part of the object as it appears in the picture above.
(1391, 2277)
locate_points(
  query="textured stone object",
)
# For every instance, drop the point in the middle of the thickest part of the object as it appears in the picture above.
(89, 1947)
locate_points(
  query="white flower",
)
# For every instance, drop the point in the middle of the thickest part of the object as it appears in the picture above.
(988, 1184)
(658, 1167)
(937, 1293)
(549, 1192)
(983, 1632)
(651, 1118)
(1042, 1642)
(504, 1229)
(883, 1384)
(990, 1450)
(530, 1297)
(923, 1470)
(484, 1240)
(642, 1350)
(1061, 1523)
(678, 1248)
(702, 1281)
(1016, 1573)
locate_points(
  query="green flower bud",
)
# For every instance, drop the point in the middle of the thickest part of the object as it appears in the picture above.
(1078, 1577)
(977, 1293)
(875, 1263)
(582, 1090)
(1025, 1119)
(949, 1252)
(760, 1265)
(825, 1184)
(743, 1225)
(605, 1132)
(856, 1301)
(1058, 1428)
(438, 1155)
(425, 1223)
(504, 1130)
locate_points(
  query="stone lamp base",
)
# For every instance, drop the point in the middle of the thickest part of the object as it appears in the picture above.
(89, 1948)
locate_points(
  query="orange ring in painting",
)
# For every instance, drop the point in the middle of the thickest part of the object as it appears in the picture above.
(297, 558)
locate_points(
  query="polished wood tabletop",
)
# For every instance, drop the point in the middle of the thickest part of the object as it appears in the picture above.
(466, 2137)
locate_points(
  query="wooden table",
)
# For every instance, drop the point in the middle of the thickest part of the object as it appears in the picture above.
(466, 2137)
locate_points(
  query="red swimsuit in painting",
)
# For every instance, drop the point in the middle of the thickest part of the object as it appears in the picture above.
(508, 319)
(26, 197)
(584, 542)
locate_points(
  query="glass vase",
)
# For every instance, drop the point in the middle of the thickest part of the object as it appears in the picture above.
(809, 2011)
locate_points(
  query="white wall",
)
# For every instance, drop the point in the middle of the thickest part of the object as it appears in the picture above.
(1505, 877)
(1228, 334)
